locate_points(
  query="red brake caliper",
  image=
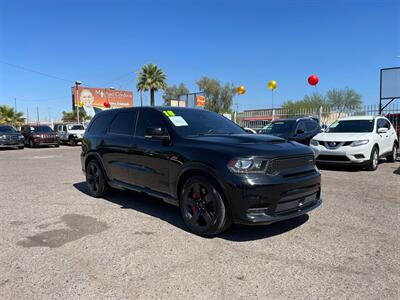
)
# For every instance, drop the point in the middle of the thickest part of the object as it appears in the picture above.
(194, 207)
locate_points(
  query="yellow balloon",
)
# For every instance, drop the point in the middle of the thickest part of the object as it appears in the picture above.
(81, 104)
(272, 85)
(241, 90)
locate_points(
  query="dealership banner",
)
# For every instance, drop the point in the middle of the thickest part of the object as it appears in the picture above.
(93, 100)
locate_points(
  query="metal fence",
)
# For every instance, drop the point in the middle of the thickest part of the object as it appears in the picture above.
(257, 119)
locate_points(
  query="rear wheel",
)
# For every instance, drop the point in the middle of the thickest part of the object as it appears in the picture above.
(21, 147)
(393, 155)
(202, 207)
(374, 160)
(71, 141)
(95, 180)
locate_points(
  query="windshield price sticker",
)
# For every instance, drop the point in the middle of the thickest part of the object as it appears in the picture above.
(178, 121)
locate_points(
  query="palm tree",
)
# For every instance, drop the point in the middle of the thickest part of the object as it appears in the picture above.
(151, 78)
(9, 116)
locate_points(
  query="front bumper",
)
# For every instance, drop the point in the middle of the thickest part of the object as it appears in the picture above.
(343, 155)
(11, 143)
(274, 200)
(46, 142)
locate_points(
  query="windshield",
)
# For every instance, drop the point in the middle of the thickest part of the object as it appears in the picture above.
(351, 126)
(41, 129)
(189, 122)
(8, 129)
(279, 127)
(76, 127)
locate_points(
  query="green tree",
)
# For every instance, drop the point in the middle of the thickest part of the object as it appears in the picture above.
(344, 99)
(9, 116)
(70, 116)
(151, 78)
(218, 97)
(309, 103)
(173, 92)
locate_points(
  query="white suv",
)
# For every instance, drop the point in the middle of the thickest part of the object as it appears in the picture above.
(357, 140)
(70, 133)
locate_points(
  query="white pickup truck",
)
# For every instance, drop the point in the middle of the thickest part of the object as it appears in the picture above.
(70, 133)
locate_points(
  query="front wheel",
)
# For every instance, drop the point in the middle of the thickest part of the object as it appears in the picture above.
(95, 180)
(374, 160)
(393, 155)
(72, 141)
(202, 207)
(32, 143)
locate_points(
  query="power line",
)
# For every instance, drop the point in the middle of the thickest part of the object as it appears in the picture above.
(36, 72)
(119, 77)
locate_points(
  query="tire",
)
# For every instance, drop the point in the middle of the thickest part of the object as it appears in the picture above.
(374, 160)
(71, 141)
(95, 179)
(57, 145)
(202, 207)
(21, 147)
(393, 155)
(32, 144)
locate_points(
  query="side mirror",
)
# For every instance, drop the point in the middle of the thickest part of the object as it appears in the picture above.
(156, 133)
(382, 130)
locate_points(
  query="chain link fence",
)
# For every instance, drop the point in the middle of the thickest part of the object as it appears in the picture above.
(257, 119)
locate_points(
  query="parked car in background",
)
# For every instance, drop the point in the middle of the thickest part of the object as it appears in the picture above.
(395, 120)
(249, 130)
(202, 162)
(39, 135)
(301, 130)
(357, 140)
(70, 133)
(10, 137)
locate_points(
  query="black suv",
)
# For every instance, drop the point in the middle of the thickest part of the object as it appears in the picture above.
(10, 137)
(202, 162)
(301, 130)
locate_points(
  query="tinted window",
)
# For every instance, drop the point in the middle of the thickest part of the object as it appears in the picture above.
(351, 126)
(124, 123)
(278, 127)
(8, 129)
(382, 123)
(41, 129)
(100, 124)
(148, 118)
(301, 127)
(311, 125)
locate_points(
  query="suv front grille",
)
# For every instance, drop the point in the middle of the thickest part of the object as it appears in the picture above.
(281, 164)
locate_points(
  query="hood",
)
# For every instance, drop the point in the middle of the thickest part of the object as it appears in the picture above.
(285, 136)
(341, 137)
(10, 133)
(252, 145)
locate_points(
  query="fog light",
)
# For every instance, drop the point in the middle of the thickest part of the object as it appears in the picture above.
(358, 156)
(252, 212)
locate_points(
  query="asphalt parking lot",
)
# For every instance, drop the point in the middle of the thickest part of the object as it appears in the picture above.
(58, 242)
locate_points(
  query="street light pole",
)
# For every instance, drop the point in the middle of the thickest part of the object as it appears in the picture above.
(76, 100)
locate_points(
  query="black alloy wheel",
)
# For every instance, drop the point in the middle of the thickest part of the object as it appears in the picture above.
(95, 180)
(72, 141)
(202, 207)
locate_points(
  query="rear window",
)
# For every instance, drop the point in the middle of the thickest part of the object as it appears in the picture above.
(100, 124)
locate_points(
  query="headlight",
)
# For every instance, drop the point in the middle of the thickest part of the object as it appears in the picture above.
(3, 137)
(21, 137)
(359, 143)
(247, 166)
(314, 142)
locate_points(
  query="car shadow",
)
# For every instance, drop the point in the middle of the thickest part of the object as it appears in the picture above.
(168, 213)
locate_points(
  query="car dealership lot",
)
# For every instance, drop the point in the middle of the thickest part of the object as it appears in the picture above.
(57, 242)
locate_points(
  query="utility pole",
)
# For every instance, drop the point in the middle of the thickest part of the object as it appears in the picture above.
(15, 104)
(37, 114)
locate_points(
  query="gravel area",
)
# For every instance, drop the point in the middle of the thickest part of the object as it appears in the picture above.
(57, 242)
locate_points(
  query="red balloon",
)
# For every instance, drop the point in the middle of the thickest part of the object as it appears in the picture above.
(313, 80)
(106, 104)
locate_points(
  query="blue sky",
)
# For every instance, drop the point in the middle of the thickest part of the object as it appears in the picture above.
(344, 42)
